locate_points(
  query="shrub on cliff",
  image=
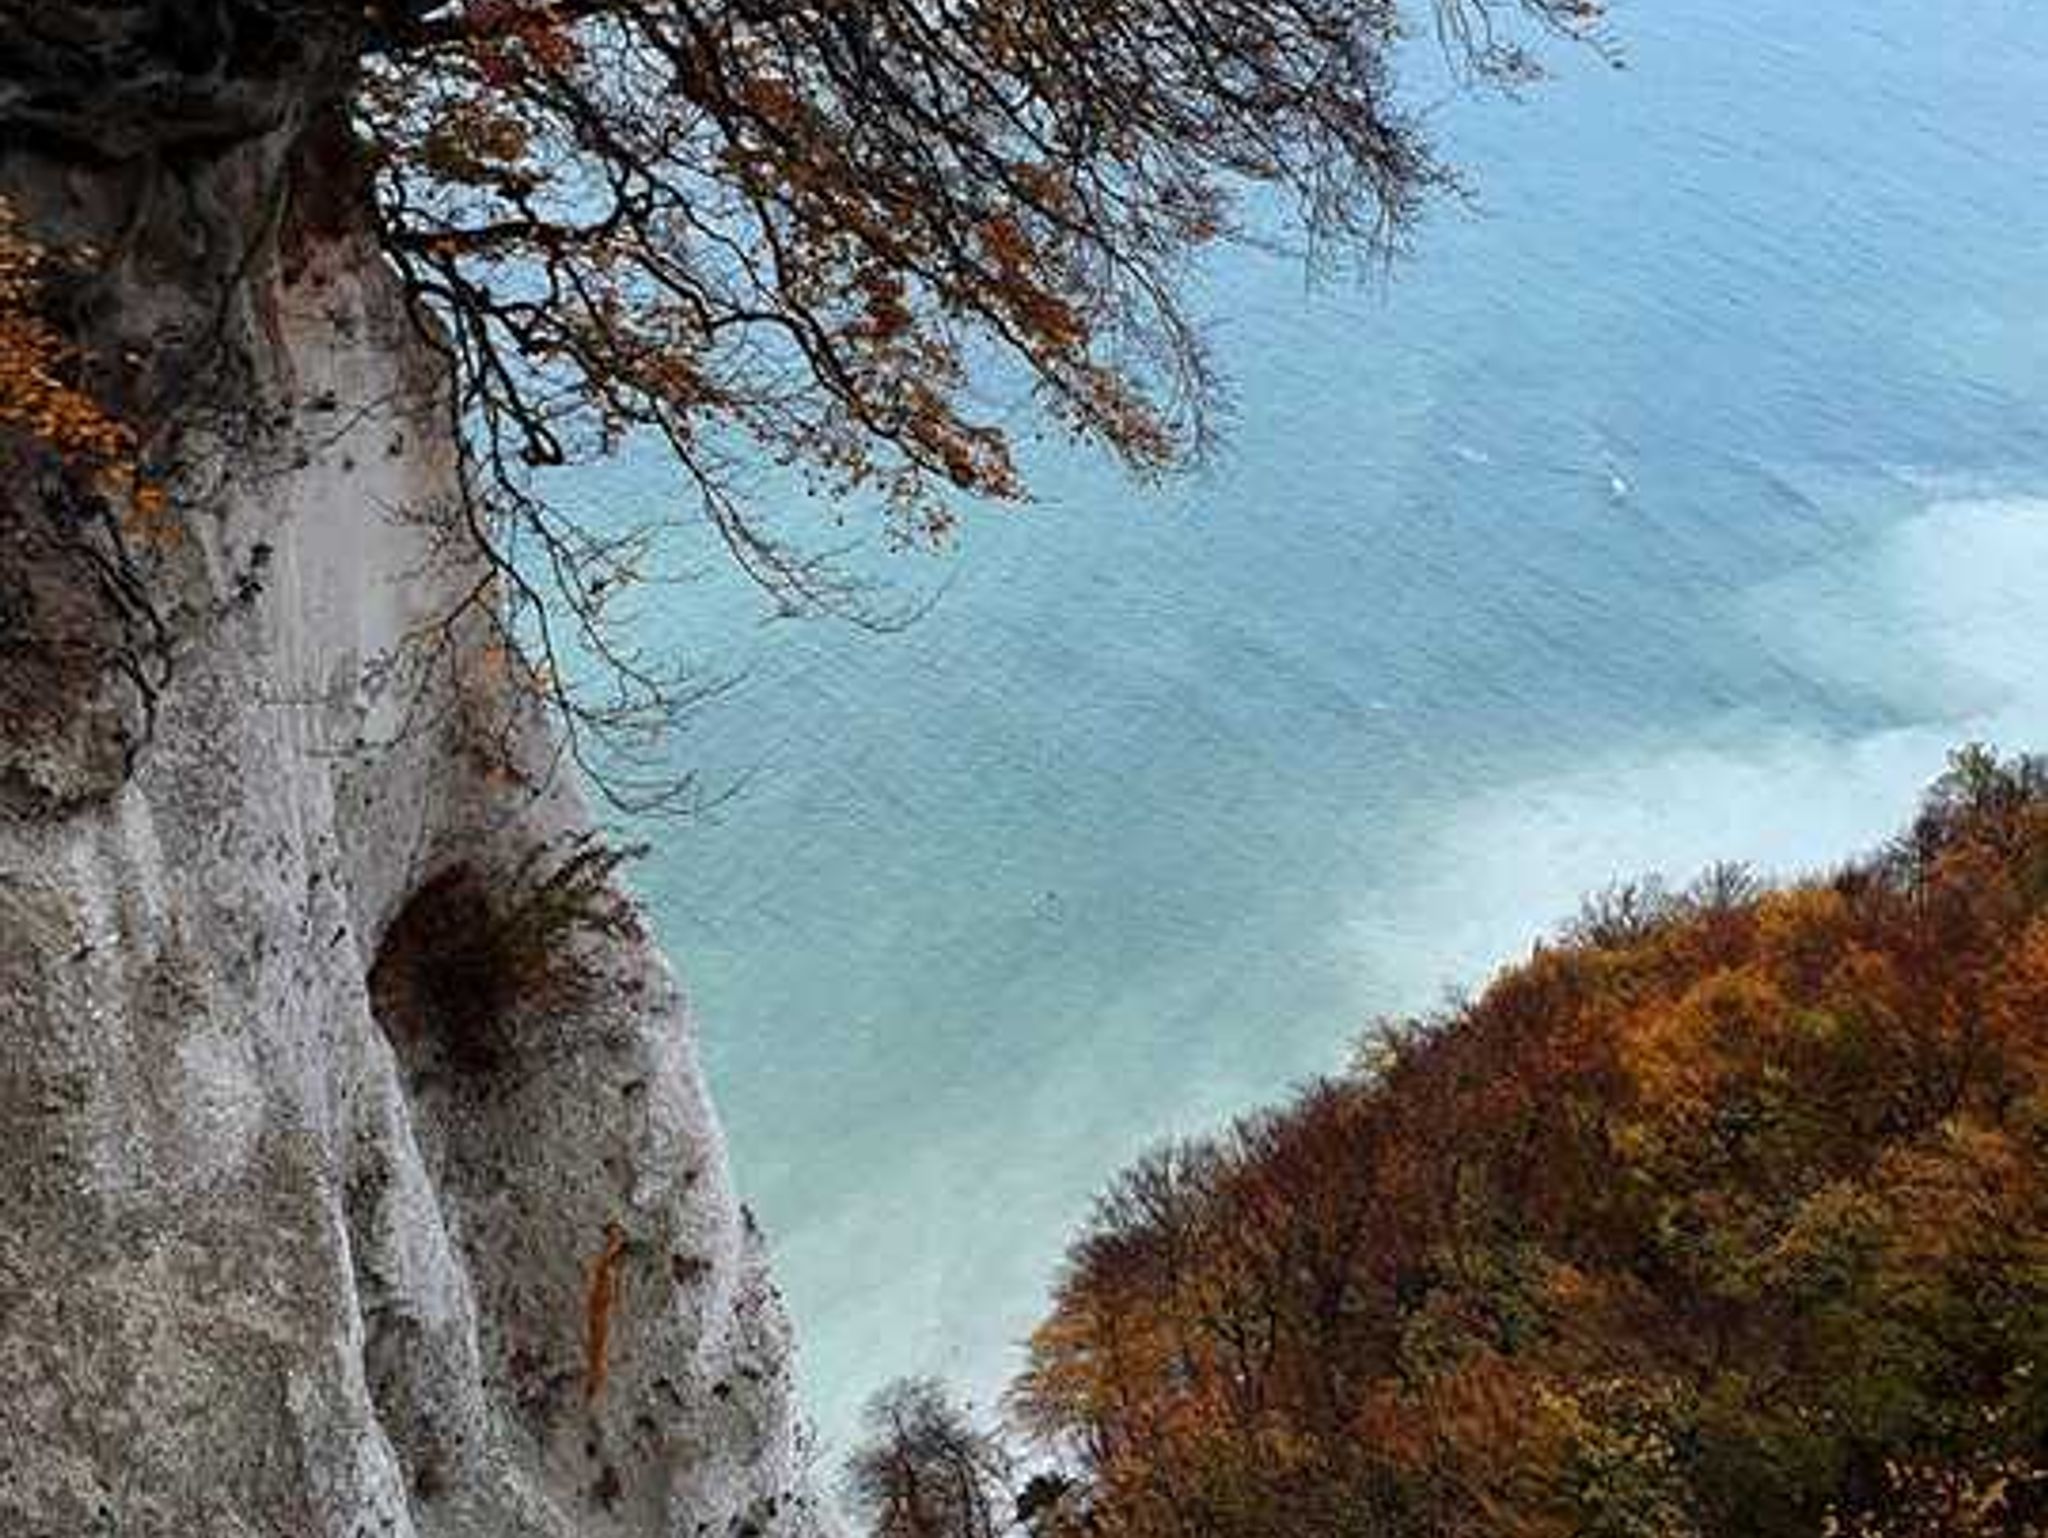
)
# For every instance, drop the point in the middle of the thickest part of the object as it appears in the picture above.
(471, 955)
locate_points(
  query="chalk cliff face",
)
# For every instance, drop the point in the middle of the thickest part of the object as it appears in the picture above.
(275, 1258)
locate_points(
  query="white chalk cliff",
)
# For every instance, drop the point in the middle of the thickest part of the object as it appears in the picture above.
(274, 1259)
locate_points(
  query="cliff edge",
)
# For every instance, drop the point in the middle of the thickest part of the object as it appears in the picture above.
(279, 1254)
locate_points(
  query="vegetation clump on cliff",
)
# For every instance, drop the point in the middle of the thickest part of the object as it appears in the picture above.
(469, 955)
(1725, 1215)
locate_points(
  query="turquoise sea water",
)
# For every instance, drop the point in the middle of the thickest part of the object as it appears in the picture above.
(1686, 502)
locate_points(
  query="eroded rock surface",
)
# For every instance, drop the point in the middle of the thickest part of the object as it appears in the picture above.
(271, 1263)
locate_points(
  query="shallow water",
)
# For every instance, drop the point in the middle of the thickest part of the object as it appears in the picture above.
(1685, 504)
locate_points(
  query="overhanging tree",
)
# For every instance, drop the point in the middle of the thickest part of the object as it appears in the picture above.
(838, 237)
(812, 234)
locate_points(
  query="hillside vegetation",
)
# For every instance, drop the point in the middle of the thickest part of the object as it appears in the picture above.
(1724, 1215)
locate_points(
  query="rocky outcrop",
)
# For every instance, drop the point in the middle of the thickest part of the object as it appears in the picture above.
(277, 1255)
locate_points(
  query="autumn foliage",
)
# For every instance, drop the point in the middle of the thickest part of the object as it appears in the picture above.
(817, 234)
(1726, 1215)
(845, 250)
(42, 394)
(848, 249)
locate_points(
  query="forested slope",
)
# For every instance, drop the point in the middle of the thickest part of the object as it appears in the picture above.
(1726, 1214)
